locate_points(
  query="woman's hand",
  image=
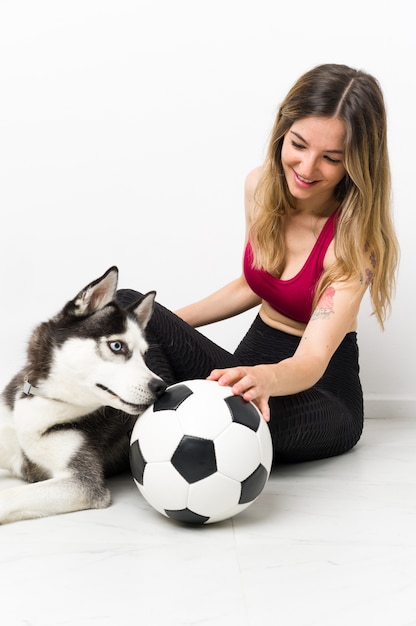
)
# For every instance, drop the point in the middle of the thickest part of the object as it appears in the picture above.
(252, 383)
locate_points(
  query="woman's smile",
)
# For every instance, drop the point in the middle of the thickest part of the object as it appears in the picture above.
(304, 182)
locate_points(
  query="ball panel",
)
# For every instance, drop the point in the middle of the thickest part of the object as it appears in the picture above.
(252, 487)
(163, 487)
(187, 516)
(207, 388)
(203, 415)
(214, 494)
(194, 458)
(159, 435)
(173, 397)
(238, 451)
(243, 412)
(137, 462)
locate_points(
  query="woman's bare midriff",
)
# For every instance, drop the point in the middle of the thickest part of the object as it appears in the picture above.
(276, 320)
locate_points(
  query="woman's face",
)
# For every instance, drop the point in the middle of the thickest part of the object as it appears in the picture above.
(312, 160)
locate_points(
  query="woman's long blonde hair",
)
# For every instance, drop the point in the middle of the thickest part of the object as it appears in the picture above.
(364, 193)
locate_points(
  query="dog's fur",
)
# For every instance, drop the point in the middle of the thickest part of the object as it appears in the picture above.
(65, 418)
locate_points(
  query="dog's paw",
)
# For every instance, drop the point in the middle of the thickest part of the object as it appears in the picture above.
(50, 497)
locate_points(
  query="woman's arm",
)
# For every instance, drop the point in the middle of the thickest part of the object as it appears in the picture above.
(228, 301)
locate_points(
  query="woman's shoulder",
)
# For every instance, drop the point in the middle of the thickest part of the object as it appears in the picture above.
(250, 187)
(252, 180)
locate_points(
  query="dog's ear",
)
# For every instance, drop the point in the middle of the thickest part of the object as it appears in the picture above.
(143, 309)
(96, 295)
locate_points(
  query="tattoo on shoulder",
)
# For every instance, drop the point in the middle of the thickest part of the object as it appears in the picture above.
(367, 277)
(325, 306)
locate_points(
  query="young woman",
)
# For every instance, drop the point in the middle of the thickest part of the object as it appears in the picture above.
(319, 233)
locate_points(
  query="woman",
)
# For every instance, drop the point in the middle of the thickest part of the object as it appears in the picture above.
(319, 233)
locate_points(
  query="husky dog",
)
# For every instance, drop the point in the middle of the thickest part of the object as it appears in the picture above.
(65, 418)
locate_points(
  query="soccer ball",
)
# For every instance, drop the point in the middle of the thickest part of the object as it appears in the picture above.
(200, 454)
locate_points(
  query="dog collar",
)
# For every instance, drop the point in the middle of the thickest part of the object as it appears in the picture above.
(30, 390)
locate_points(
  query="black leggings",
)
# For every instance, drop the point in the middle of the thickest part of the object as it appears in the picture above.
(320, 422)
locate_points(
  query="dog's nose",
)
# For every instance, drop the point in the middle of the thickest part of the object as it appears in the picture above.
(157, 386)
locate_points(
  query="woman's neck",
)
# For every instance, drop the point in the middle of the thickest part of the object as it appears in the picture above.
(321, 208)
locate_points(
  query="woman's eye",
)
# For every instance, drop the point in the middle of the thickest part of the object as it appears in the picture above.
(297, 145)
(331, 160)
(116, 346)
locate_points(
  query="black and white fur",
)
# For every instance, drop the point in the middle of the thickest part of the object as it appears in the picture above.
(65, 418)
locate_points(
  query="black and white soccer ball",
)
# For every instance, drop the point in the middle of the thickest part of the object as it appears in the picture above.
(200, 454)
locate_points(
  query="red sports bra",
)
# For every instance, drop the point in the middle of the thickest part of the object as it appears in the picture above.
(292, 298)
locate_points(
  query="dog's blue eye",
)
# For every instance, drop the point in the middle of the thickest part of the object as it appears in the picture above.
(116, 346)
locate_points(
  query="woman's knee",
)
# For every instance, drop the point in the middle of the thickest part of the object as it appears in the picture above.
(125, 297)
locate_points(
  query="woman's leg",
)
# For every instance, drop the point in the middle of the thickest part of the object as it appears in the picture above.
(312, 425)
(177, 351)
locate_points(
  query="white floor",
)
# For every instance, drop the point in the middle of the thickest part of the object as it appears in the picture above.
(329, 543)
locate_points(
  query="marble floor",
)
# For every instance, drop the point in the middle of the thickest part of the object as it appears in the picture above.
(329, 543)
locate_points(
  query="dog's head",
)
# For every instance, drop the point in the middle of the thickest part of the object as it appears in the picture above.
(92, 352)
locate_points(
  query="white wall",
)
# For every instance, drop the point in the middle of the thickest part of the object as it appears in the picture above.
(127, 128)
